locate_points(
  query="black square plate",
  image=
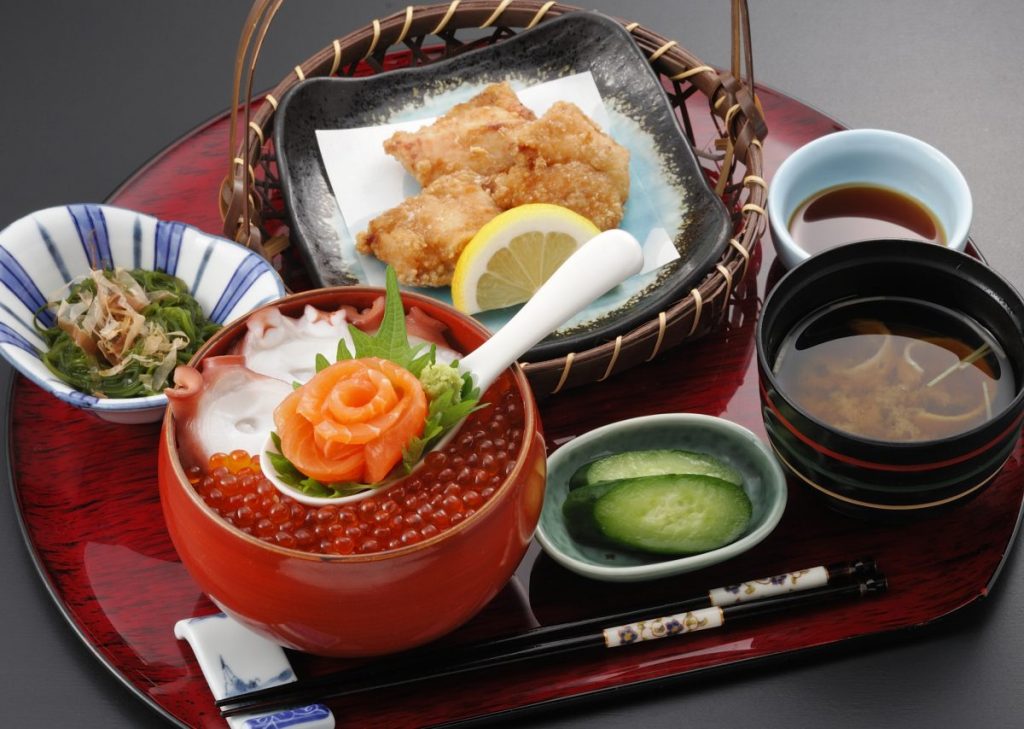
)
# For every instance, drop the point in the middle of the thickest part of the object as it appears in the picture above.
(661, 162)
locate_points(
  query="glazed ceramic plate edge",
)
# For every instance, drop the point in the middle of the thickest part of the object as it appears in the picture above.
(770, 471)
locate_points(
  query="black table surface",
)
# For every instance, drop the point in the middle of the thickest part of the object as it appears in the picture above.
(92, 90)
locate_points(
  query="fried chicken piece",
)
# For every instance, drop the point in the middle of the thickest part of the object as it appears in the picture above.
(475, 135)
(484, 156)
(565, 159)
(423, 236)
(574, 185)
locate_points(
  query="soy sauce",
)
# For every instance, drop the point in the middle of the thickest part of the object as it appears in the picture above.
(850, 213)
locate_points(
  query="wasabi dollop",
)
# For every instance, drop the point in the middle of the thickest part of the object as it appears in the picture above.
(438, 378)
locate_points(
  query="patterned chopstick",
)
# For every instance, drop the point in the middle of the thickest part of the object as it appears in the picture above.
(711, 610)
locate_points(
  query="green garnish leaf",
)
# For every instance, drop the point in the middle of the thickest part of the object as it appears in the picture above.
(343, 353)
(469, 391)
(313, 487)
(391, 340)
(321, 362)
(285, 470)
(421, 361)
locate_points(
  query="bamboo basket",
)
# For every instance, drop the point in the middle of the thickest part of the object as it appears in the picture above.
(253, 210)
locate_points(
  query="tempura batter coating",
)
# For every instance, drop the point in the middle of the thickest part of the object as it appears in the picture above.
(565, 159)
(487, 155)
(424, 235)
(475, 135)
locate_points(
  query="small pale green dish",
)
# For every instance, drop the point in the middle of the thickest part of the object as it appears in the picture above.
(763, 481)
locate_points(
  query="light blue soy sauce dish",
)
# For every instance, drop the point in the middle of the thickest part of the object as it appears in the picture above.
(871, 157)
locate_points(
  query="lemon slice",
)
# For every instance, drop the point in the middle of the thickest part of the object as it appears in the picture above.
(512, 255)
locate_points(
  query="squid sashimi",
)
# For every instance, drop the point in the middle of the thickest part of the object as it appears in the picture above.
(285, 348)
(352, 420)
(225, 407)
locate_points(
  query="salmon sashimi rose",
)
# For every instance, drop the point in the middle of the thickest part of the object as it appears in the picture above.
(352, 421)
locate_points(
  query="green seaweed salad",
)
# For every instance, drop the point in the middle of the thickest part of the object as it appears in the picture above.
(120, 333)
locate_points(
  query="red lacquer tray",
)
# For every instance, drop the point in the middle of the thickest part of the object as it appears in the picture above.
(87, 494)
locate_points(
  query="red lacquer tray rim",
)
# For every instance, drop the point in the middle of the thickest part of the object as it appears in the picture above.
(8, 378)
(7, 399)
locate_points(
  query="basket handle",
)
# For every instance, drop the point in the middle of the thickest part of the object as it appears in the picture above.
(236, 198)
(742, 48)
(743, 117)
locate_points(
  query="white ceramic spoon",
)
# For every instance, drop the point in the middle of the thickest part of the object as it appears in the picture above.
(599, 265)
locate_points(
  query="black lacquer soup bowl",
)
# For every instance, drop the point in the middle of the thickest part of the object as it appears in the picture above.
(952, 296)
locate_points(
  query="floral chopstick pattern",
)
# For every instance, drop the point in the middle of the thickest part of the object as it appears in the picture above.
(688, 622)
(807, 579)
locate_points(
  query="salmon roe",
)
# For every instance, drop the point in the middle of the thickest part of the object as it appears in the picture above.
(448, 487)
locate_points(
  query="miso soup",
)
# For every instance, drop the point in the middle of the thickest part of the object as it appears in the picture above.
(894, 369)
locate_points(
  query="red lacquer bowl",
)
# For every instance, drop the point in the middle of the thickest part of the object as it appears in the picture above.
(359, 605)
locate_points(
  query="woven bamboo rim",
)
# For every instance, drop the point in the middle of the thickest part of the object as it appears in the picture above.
(250, 195)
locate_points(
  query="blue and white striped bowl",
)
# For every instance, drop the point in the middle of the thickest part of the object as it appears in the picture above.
(42, 252)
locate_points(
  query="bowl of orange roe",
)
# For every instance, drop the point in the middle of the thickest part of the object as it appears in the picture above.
(405, 564)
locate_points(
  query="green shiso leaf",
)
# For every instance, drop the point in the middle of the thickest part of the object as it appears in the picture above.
(343, 353)
(391, 340)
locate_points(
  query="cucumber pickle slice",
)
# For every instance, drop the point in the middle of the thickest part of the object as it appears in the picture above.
(631, 464)
(666, 514)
